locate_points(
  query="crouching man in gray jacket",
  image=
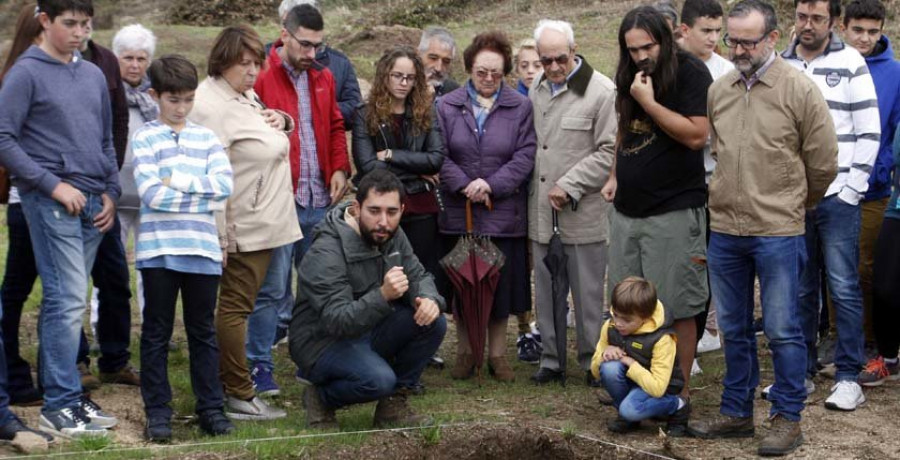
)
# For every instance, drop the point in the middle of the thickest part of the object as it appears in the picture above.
(368, 316)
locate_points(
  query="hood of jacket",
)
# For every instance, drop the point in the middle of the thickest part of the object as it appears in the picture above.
(657, 320)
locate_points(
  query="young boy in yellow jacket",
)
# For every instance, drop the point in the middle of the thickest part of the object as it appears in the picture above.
(636, 363)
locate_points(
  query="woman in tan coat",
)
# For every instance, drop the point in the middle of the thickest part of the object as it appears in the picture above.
(260, 215)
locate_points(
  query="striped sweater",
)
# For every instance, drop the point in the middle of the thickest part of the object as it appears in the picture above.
(178, 226)
(843, 77)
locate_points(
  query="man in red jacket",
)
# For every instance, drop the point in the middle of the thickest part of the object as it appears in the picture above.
(296, 84)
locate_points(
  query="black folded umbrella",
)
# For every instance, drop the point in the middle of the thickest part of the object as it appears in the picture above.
(556, 262)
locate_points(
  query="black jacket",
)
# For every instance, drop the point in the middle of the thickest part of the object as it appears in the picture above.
(419, 154)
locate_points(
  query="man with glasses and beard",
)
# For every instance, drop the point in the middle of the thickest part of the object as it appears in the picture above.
(575, 121)
(298, 86)
(368, 315)
(776, 153)
(658, 223)
(832, 227)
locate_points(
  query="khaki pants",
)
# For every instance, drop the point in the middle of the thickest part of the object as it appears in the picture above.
(241, 280)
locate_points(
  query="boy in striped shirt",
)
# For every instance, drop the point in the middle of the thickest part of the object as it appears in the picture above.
(183, 176)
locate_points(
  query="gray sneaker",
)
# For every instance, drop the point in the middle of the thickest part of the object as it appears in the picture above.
(70, 422)
(96, 414)
(254, 409)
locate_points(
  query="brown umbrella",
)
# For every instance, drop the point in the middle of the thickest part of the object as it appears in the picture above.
(473, 267)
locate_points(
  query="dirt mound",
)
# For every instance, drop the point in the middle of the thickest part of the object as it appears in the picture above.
(372, 41)
(221, 12)
(499, 442)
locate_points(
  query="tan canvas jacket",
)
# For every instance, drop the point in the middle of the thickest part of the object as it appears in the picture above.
(576, 130)
(776, 150)
(260, 213)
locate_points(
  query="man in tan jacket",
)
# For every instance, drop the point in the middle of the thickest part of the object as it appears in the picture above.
(575, 120)
(777, 153)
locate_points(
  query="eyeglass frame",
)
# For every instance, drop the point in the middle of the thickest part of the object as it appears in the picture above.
(398, 77)
(547, 61)
(814, 19)
(747, 45)
(306, 44)
(482, 74)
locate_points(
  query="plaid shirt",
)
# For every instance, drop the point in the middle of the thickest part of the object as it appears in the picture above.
(311, 190)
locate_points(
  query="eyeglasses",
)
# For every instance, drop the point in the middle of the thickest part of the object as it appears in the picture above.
(815, 19)
(403, 78)
(748, 45)
(306, 44)
(547, 61)
(483, 74)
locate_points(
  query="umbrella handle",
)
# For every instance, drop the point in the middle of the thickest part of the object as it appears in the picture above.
(470, 226)
(555, 222)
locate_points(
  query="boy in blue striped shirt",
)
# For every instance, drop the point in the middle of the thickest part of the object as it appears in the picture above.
(183, 176)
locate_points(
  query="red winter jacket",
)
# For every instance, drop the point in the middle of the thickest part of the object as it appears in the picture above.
(275, 88)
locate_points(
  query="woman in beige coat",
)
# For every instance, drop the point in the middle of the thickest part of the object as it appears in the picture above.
(260, 215)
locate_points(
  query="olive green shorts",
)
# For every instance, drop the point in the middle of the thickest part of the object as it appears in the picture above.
(668, 250)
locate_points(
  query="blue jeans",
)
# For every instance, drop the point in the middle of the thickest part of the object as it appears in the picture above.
(64, 249)
(393, 355)
(275, 291)
(110, 276)
(733, 263)
(833, 227)
(5, 415)
(632, 402)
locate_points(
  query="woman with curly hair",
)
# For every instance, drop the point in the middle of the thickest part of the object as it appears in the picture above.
(396, 130)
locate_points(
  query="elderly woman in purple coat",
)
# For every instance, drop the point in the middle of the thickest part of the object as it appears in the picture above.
(490, 141)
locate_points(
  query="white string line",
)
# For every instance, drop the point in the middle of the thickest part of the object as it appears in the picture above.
(154, 448)
(607, 443)
(157, 448)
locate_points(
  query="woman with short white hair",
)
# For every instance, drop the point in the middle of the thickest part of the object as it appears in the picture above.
(134, 46)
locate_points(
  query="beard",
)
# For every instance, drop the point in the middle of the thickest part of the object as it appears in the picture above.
(377, 236)
(300, 64)
(811, 41)
(647, 66)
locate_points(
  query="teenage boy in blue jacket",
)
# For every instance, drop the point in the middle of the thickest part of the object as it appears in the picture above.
(56, 141)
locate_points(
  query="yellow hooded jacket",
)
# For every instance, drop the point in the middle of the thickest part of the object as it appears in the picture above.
(656, 379)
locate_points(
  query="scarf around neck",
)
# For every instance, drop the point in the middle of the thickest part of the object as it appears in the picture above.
(138, 98)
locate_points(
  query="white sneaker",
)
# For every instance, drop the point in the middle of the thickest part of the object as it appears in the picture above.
(846, 395)
(807, 383)
(695, 368)
(709, 342)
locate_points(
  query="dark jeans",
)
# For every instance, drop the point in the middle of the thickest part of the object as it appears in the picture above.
(886, 284)
(391, 356)
(21, 273)
(110, 275)
(5, 415)
(198, 294)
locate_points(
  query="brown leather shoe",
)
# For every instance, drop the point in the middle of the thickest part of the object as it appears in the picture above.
(88, 381)
(127, 375)
(318, 415)
(464, 367)
(500, 369)
(394, 410)
(782, 437)
(721, 426)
